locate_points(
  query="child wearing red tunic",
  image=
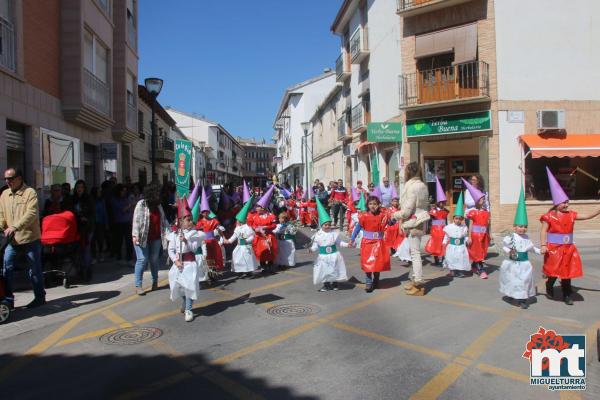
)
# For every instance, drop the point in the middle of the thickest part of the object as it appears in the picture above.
(479, 237)
(214, 256)
(374, 254)
(439, 219)
(265, 242)
(393, 236)
(291, 209)
(304, 214)
(312, 213)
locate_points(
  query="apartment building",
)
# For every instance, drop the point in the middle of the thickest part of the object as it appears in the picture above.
(292, 127)
(258, 167)
(367, 68)
(486, 88)
(142, 147)
(68, 77)
(223, 153)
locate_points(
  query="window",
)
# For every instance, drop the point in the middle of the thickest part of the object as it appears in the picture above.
(105, 5)
(95, 58)
(131, 23)
(131, 86)
(141, 125)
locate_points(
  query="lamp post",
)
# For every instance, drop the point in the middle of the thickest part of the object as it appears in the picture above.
(153, 86)
(305, 128)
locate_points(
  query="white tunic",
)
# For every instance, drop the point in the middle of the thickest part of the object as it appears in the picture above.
(184, 283)
(457, 257)
(286, 251)
(243, 258)
(328, 267)
(403, 250)
(516, 277)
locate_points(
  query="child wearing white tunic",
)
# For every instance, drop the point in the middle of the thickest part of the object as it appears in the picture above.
(184, 274)
(457, 255)
(516, 273)
(243, 259)
(286, 234)
(329, 268)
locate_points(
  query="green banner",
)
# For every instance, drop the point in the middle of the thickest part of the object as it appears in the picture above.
(384, 132)
(450, 124)
(182, 163)
(375, 168)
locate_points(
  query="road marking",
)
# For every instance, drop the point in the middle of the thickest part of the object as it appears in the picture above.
(117, 319)
(85, 336)
(505, 373)
(296, 273)
(447, 376)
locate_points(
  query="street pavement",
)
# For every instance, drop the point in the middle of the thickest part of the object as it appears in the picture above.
(460, 341)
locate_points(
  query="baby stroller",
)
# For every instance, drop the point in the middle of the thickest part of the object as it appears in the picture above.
(4, 305)
(60, 242)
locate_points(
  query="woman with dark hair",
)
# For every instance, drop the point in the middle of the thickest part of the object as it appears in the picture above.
(477, 181)
(99, 237)
(414, 212)
(85, 214)
(121, 212)
(148, 233)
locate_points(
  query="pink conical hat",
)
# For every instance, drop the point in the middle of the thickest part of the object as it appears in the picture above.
(266, 198)
(204, 202)
(558, 194)
(195, 193)
(440, 194)
(246, 193)
(475, 193)
(394, 192)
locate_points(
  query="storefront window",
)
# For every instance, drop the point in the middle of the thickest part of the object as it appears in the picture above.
(60, 155)
(577, 176)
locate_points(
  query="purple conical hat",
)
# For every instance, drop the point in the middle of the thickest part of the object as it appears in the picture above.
(266, 198)
(204, 201)
(440, 194)
(376, 192)
(209, 191)
(195, 193)
(246, 194)
(285, 193)
(394, 192)
(224, 200)
(475, 193)
(558, 194)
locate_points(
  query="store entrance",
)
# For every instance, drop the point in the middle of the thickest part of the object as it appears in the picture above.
(449, 171)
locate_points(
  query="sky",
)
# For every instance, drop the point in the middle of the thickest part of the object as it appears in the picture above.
(231, 60)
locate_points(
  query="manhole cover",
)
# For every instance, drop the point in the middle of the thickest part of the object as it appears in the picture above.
(293, 310)
(130, 336)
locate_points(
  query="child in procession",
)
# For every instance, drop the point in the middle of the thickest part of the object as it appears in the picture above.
(265, 243)
(394, 235)
(516, 272)
(211, 228)
(456, 236)
(479, 229)
(243, 260)
(439, 219)
(329, 267)
(185, 273)
(286, 236)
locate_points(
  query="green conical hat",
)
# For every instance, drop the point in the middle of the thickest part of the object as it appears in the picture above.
(242, 216)
(362, 203)
(196, 211)
(460, 207)
(323, 214)
(521, 214)
(212, 215)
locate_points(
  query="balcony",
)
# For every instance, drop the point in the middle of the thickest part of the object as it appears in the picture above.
(342, 67)
(409, 8)
(343, 129)
(7, 45)
(96, 93)
(360, 118)
(359, 45)
(461, 83)
(165, 150)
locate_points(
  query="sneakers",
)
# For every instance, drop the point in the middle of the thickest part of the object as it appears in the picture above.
(326, 287)
(483, 275)
(369, 288)
(139, 291)
(334, 286)
(416, 291)
(38, 301)
(188, 316)
(568, 301)
(523, 304)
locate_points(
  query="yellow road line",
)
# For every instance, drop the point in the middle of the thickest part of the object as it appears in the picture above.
(181, 358)
(395, 342)
(478, 347)
(460, 304)
(439, 383)
(505, 373)
(85, 336)
(117, 319)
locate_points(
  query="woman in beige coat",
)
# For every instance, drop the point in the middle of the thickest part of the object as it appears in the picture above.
(414, 203)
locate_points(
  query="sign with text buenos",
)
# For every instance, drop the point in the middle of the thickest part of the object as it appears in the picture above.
(450, 124)
(384, 132)
(183, 157)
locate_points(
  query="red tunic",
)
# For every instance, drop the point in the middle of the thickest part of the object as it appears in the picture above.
(480, 240)
(434, 245)
(374, 254)
(264, 245)
(214, 256)
(562, 260)
(291, 209)
(393, 234)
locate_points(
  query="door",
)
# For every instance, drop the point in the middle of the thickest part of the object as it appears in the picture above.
(449, 170)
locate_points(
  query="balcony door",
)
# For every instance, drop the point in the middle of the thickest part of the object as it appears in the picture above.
(436, 78)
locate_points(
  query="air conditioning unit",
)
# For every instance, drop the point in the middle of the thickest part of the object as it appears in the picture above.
(551, 119)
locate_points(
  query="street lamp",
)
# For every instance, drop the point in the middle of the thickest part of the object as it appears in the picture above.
(153, 86)
(305, 128)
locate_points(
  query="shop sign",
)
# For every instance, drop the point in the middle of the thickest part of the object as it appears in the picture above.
(384, 132)
(450, 124)
(183, 156)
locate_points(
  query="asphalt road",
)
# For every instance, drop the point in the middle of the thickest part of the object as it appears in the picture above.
(460, 341)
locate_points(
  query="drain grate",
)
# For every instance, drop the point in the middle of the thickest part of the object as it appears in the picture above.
(293, 310)
(129, 336)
